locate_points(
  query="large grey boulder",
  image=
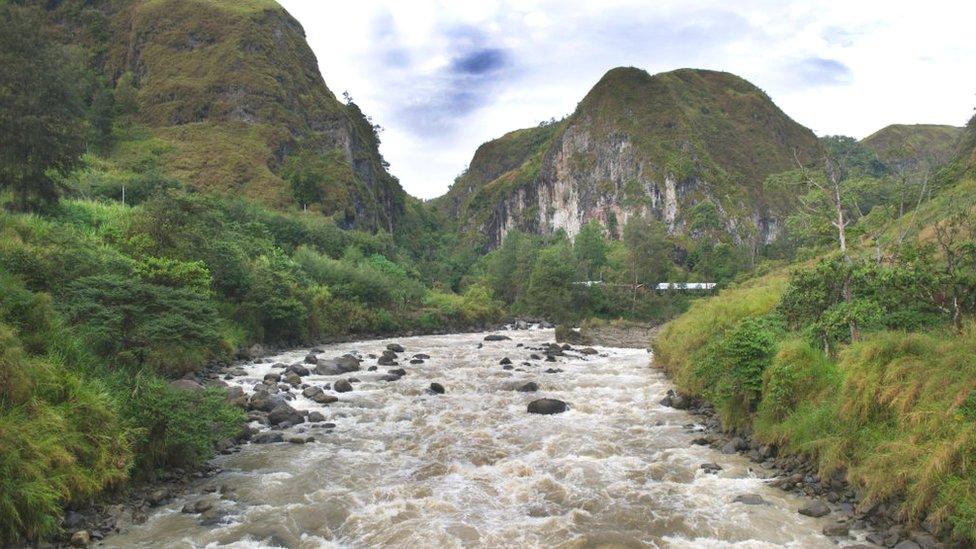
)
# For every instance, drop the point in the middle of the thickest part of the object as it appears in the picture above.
(328, 367)
(347, 363)
(815, 509)
(342, 386)
(547, 406)
(284, 413)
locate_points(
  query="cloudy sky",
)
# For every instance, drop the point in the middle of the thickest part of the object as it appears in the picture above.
(442, 77)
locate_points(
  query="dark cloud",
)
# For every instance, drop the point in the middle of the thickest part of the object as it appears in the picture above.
(434, 104)
(480, 61)
(819, 71)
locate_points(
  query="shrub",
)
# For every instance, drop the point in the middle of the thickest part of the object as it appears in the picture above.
(732, 367)
(174, 427)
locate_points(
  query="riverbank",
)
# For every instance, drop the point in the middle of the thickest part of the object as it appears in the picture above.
(832, 496)
(887, 416)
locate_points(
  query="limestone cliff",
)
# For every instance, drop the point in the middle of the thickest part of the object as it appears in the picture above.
(637, 145)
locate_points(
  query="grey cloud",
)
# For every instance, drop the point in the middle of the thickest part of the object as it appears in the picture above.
(819, 71)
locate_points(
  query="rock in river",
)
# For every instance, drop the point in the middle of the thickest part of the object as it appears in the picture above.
(282, 413)
(547, 406)
(750, 499)
(529, 387)
(395, 347)
(815, 509)
(342, 386)
(268, 437)
(496, 337)
(437, 388)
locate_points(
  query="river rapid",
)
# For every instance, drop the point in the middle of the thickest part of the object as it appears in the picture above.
(406, 468)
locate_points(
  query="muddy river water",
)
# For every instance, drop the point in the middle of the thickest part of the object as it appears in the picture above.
(471, 468)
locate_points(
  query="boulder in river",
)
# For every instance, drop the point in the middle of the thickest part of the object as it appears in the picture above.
(437, 388)
(837, 529)
(387, 360)
(496, 337)
(397, 372)
(311, 358)
(389, 377)
(324, 398)
(750, 499)
(292, 379)
(272, 377)
(529, 387)
(81, 538)
(710, 468)
(342, 386)
(297, 369)
(268, 437)
(328, 368)
(236, 397)
(421, 356)
(347, 363)
(815, 509)
(547, 406)
(676, 400)
(199, 506)
(588, 351)
(311, 391)
(262, 401)
(284, 413)
(416, 361)
(315, 417)
(505, 361)
(395, 347)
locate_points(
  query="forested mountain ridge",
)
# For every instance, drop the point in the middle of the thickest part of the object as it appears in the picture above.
(639, 144)
(227, 96)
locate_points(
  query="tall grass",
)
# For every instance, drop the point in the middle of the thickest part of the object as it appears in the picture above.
(896, 410)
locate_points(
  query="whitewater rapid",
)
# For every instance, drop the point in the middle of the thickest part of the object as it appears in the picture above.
(470, 468)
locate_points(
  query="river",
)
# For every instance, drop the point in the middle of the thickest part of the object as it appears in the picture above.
(406, 468)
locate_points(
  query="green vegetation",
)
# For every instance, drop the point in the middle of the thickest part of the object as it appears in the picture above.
(862, 361)
(903, 146)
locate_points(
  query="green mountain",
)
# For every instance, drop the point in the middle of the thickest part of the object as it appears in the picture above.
(637, 144)
(226, 95)
(900, 146)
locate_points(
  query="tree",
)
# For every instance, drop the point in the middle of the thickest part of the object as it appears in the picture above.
(647, 251)
(590, 248)
(551, 290)
(43, 122)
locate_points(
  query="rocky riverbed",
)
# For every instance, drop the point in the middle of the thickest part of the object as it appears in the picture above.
(500, 439)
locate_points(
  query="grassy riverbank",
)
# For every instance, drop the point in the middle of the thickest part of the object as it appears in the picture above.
(894, 409)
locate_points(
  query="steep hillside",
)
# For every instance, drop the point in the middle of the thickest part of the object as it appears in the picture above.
(901, 146)
(229, 91)
(638, 144)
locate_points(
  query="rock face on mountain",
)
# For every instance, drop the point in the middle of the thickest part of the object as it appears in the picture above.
(904, 146)
(228, 91)
(637, 145)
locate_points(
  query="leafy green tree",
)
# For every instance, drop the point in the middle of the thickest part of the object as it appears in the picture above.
(853, 157)
(305, 174)
(43, 122)
(509, 266)
(551, 290)
(590, 248)
(648, 250)
(141, 323)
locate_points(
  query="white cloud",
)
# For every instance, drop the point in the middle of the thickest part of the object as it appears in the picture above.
(443, 77)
